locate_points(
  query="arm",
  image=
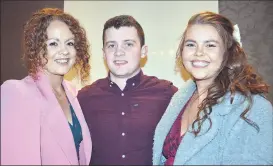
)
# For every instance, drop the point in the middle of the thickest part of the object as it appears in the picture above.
(20, 128)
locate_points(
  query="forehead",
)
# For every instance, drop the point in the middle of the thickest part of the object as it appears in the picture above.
(121, 34)
(58, 29)
(201, 32)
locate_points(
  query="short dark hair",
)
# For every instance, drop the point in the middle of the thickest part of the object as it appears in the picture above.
(124, 21)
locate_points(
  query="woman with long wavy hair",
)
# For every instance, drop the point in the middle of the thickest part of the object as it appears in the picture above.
(221, 116)
(41, 120)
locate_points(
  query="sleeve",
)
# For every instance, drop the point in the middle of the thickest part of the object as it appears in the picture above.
(20, 127)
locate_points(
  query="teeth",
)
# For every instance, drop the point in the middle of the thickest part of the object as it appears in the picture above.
(120, 61)
(200, 63)
(61, 60)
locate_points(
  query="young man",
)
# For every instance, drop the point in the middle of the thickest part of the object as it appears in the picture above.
(123, 109)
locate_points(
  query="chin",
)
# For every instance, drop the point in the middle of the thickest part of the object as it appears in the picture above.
(199, 77)
(63, 72)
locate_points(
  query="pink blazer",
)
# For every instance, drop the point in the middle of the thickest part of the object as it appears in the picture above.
(34, 130)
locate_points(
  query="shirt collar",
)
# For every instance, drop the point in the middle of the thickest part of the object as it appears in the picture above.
(135, 79)
(130, 83)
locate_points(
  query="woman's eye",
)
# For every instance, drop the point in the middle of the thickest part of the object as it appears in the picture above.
(211, 45)
(70, 43)
(53, 44)
(190, 45)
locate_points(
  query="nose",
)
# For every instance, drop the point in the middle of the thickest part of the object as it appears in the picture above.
(119, 52)
(63, 51)
(199, 51)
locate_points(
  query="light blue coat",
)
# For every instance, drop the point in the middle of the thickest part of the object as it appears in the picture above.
(230, 141)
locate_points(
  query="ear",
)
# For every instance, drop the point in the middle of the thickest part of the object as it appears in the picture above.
(144, 51)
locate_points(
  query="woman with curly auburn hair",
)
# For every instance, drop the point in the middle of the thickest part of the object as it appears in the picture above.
(41, 119)
(221, 116)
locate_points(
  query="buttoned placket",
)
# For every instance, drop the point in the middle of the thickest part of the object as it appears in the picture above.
(123, 133)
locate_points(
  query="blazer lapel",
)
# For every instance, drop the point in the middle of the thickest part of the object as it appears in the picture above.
(56, 121)
(179, 99)
(72, 96)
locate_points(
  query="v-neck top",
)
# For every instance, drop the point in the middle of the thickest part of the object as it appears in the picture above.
(173, 139)
(76, 130)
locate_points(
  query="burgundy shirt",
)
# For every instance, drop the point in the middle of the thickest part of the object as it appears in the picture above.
(122, 123)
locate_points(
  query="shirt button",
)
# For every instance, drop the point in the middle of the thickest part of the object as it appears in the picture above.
(110, 85)
(133, 84)
(122, 94)
(123, 134)
(123, 156)
(135, 105)
(122, 113)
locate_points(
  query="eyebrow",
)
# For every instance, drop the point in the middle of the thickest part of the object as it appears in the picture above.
(109, 42)
(127, 40)
(72, 38)
(206, 41)
(130, 40)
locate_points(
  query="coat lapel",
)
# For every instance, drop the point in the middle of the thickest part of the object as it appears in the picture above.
(179, 99)
(191, 145)
(54, 118)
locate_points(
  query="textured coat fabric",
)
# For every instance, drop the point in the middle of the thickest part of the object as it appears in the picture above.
(230, 141)
(34, 129)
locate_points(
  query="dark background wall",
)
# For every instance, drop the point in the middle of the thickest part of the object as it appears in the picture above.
(255, 20)
(13, 16)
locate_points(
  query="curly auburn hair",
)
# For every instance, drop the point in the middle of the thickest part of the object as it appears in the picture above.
(35, 37)
(235, 74)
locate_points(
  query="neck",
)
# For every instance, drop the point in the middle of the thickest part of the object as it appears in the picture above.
(121, 81)
(202, 89)
(55, 82)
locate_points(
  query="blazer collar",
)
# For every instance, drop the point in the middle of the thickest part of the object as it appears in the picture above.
(54, 117)
(46, 89)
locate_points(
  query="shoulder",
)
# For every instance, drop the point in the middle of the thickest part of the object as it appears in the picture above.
(92, 88)
(154, 82)
(17, 96)
(17, 86)
(185, 91)
(261, 110)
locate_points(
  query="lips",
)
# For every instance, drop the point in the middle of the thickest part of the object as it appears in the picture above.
(200, 63)
(120, 62)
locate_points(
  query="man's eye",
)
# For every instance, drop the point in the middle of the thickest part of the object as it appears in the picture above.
(129, 44)
(110, 46)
